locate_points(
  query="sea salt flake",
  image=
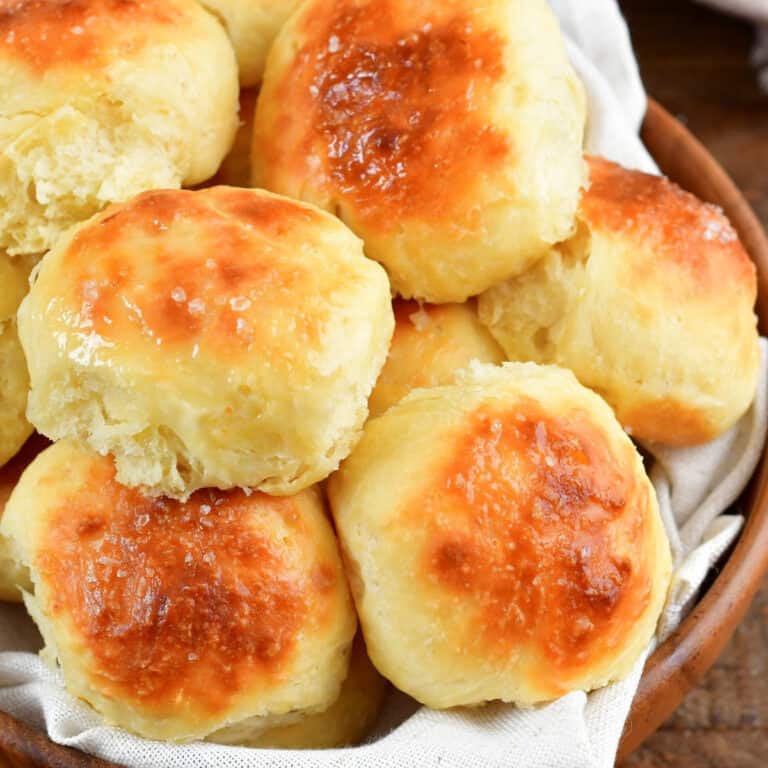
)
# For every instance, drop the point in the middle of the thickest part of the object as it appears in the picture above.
(420, 319)
(239, 303)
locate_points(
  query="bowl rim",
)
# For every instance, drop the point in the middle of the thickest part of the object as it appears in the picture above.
(678, 664)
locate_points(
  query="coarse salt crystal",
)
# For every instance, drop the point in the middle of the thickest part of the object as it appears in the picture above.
(420, 319)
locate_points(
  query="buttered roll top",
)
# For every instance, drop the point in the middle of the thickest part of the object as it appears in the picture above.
(103, 99)
(225, 337)
(446, 134)
(173, 619)
(502, 539)
(651, 304)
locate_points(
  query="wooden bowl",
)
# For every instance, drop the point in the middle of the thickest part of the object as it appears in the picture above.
(678, 664)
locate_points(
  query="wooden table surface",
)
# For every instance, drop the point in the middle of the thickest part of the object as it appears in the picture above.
(696, 62)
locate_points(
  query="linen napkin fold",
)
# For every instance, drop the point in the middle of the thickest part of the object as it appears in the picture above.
(694, 486)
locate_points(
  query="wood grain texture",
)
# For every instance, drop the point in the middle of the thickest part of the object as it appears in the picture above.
(20, 747)
(696, 62)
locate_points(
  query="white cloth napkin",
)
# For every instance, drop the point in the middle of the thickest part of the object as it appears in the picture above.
(694, 487)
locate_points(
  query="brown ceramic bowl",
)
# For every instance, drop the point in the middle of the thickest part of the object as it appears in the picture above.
(682, 660)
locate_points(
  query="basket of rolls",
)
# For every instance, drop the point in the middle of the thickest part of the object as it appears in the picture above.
(358, 406)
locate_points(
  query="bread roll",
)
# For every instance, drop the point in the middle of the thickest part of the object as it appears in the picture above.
(174, 619)
(344, 723)
(650, 304)
(14, 378)
(501, 539)
(103, 99)
(252, 26)
(446, 134)
(431, 342)
(13, 576)
(235, 169)
(223, 338)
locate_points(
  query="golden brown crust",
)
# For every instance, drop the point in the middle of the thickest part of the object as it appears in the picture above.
(558, 582)
(503, 537)
(176, 619)
(396, 114)
(233, 335)
(430, 344)
(179, 601)
(447, 135)
(178, 299)
(670, 421)
(650, 304)
(693, 238)
(84, 33)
